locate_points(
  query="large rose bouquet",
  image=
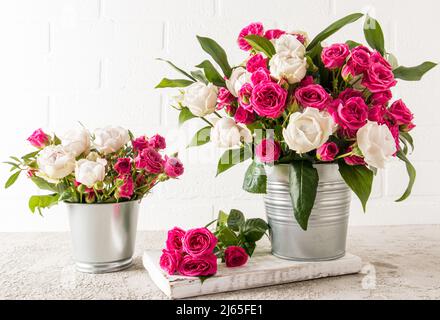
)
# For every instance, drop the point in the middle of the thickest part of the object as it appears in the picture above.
(295, 101)
(107, 166)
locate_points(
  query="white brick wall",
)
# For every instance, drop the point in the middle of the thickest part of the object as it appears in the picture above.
(93, 60)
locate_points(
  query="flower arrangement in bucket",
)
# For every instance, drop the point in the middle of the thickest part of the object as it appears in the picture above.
(101, 177)
(315, 120)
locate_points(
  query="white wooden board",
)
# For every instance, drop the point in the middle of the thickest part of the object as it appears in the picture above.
(263, 269)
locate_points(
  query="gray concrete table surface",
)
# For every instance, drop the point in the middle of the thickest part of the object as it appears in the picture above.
(400, 262)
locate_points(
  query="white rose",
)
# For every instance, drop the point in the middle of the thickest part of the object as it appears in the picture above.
(200, 98)
(76, 141)
(376, 143)
(89, 172)
(110, 139)
(55, 163)
(289, 45)
(290, 68)
(308, 130)
(226, 133)
(237, 79)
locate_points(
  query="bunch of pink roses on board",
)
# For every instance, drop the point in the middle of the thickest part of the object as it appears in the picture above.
(195, 252)
(107, 166)
(297, 102)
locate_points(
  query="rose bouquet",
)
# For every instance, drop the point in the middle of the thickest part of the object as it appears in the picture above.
(300, 102)
(195, 252)
(107, 166)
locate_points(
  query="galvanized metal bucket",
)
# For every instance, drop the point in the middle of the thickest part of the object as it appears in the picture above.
(326, 234)
(103, 235)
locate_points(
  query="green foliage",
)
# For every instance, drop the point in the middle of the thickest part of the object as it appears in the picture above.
(413, 73)
(255, 178)
(359, 179)
(174, 83)
(411, 174)
(211, 74)
(41, 202)
(261, 44)
(232, 157)
(203, 136)
(303, 179)
(334, 27)
(185, 115)
(217, 53)
(12, 179)
(177, 68)
(374, 35)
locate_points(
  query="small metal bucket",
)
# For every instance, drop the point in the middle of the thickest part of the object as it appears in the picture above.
(103, 235)
(326, 234)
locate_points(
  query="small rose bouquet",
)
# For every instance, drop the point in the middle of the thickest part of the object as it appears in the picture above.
(107, 166)
(195, 252)
(297, 102)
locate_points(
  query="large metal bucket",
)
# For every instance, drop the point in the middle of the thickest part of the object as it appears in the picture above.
(326, 235)
(103, 235)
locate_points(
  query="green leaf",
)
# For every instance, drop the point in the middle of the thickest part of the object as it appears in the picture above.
(411, 174)
(12, 179)
(374, 35)
(41, 202)
(249, 247)
(211, 73)
(352, 44)
(43, 184)
(334, 27)
(201, 137)
(359, 179)
(254, 229)
(177, 68)
(185, 115)
(236, 219)
(30, 155)
(227, 237)
(261, 44)
(232, 157)
(222, 219)
(217, 53)
(174, 83)
(200, 76)
(69, 195)
(405, 136)
(255, 178)
(303, 185)
(413, 73)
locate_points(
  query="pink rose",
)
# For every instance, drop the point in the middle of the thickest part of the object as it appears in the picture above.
(377, 113)
(358, 61)
(224, 98)
(39, 139)
(273, 34)
(268, 150)
(127, 189)
(378, 78)
(306, 81)
(350, 115)
(349, 93)
(301, 38)
(255, 62)
(242, 115)
(199, 242)
(353, 160)
(244, 96)
(334, 56)
(260, 75)
(169, 261)
(327, 152)
(376, 57)
(395, 133)
(174, 239)
(123, 166)
(173, 167)
(157, 142)
(400, 113)
(268, 99)
(381, 97)
(253, 28)
(198, 266)
(313, 95)
(235, 256)
(140, 143)
(149, 159)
